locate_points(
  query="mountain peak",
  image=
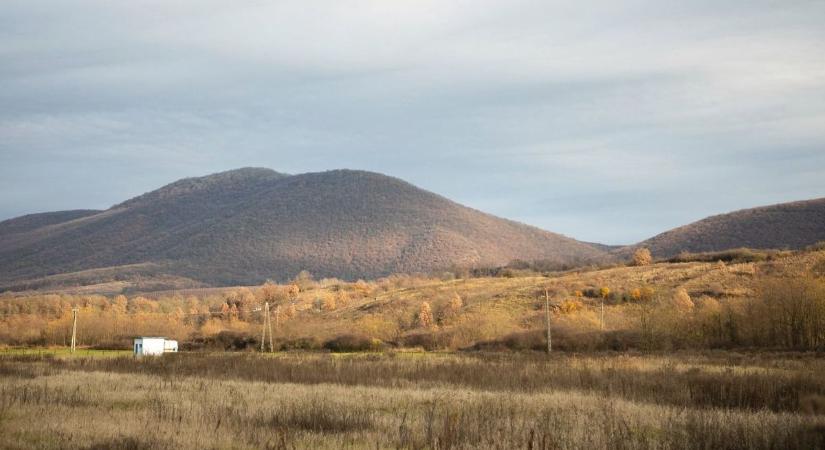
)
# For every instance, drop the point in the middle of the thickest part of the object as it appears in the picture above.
(220, 181)
(251, 224)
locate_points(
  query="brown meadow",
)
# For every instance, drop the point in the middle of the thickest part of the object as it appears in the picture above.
(691, 354)
(712, 400)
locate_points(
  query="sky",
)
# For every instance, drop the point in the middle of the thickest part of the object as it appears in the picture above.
(606, 121)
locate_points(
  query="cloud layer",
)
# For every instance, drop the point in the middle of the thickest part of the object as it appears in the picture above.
(607, 122)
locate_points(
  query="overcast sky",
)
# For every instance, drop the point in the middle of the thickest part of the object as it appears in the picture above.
(606, 121)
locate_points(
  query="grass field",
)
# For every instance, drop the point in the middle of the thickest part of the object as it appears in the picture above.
(686, 355)
(64, 352)
(399, 400)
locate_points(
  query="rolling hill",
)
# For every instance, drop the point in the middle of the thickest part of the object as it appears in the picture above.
(249, 225)
(783, 226)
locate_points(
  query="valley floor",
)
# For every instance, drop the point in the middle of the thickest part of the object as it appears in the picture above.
(414, 400)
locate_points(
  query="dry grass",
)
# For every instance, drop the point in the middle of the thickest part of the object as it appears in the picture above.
(412, 401)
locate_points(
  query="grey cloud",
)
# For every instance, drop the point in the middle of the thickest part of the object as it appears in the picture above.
(607, 122)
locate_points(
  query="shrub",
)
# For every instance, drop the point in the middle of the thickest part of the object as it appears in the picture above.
(303, 343)
(352, 343)
(571, 306)
(819, 246)
(452, 308)
(224, 340)
(427, 341)
(520, 341)
(681, 301)
(739, 255)
(642, 257)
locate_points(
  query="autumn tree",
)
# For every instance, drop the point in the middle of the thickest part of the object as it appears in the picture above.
(119, 304)
(681, 301)
(329, 303)
(225, 310)
(452, 308)
(292, 292)
(304, 280)
(571, 306)
(289, 312)
(342, 299)
(245, 303)
(362, 287)
(708, 317)
(789, 312)
(456, 303)
(642, 257)
(425, 315)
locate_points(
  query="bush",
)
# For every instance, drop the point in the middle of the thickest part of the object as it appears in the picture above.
(353, 343)
(819, 246)
(225, 340)
(736, 256)
(304, 343)
(642, 257)
(527, 340)
(427, 341)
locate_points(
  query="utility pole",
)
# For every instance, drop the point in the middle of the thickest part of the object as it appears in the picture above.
(266, 326)
(263, 326)
(547, 316)
(269, 322)
(74, 328)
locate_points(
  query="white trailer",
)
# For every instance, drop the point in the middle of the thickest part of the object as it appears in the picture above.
(170, 346)
(154, 346)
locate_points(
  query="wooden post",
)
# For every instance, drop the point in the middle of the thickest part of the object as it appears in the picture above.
(602, 314)
(74, 328)
(547, 316)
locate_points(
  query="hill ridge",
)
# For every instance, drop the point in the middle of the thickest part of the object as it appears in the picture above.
(791, 225)
(251, 224)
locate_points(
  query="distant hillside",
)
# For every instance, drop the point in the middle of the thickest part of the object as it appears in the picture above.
(33, 221)
(784, 226)
(247, 225)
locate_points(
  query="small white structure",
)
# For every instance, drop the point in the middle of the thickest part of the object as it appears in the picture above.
(170, 346)
(154, 346)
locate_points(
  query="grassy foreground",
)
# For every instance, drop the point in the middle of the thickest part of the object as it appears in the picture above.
(711, 400)
(63, 352)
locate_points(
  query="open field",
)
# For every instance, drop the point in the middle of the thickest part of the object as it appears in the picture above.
(64, 352)
(690, 354)
(706, 400)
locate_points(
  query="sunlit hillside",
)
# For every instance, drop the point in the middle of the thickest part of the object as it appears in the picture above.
(664, 305)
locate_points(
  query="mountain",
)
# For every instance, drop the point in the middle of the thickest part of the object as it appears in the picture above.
(783, 226)
(247, 225)
(34, 221)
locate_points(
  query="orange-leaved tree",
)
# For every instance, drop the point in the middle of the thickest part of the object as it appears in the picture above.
(642, 257)
(425, 315)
